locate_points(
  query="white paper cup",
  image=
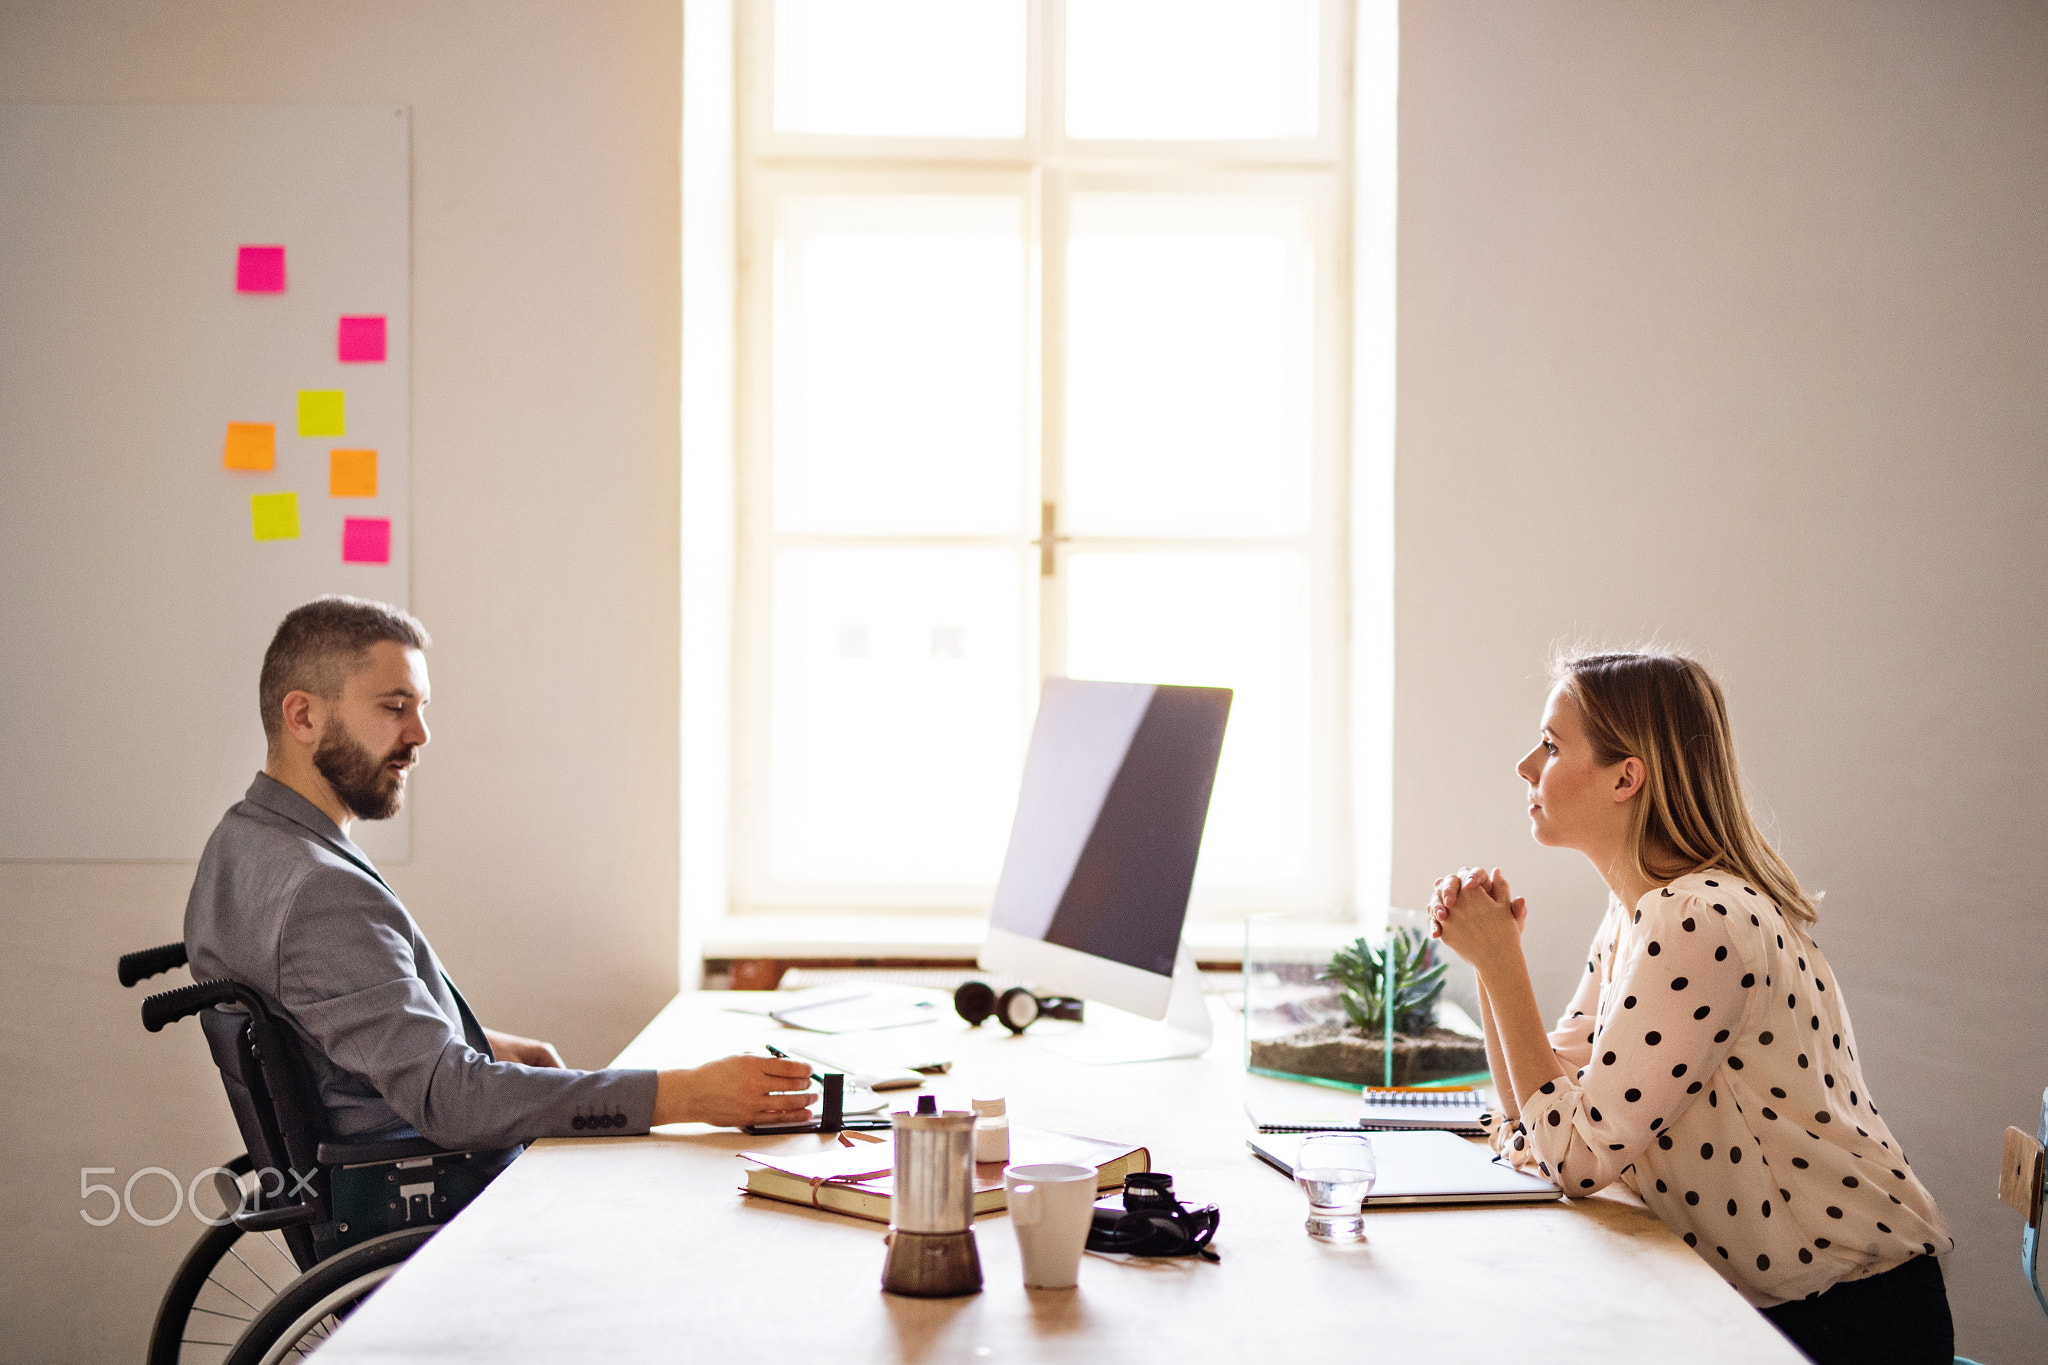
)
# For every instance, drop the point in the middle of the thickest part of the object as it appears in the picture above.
(1050, 1205)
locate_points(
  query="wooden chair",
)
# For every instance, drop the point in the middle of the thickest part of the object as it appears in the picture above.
(2022, 1183)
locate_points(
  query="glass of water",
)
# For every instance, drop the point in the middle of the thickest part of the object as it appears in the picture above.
(1335, 1171)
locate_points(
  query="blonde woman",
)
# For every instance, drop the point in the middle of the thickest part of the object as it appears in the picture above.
(1706, 1060)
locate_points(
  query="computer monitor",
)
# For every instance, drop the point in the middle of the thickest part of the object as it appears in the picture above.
(1094, 887)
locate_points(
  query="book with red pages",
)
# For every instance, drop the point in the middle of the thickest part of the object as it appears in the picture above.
(857, 1180)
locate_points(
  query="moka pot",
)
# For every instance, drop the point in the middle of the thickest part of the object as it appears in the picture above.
(931, 1211)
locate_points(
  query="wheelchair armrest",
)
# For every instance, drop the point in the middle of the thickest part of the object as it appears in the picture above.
(368, 1151)
(269, 1220)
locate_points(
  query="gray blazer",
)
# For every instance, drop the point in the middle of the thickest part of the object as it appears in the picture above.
(285, 904)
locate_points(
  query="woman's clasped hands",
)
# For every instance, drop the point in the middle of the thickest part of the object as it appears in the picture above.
(1476, 915)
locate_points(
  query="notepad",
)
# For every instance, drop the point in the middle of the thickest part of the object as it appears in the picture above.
(1453, 1111)
(1426, 1168)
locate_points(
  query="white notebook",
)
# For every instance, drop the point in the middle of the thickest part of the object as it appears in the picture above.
(1425, 1168)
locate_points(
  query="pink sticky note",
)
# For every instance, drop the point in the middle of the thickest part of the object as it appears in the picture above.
(260, 270)
(366, 540)
(361, 339)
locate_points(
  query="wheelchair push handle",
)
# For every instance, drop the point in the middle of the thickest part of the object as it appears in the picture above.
(172, 1006)
(147, 963)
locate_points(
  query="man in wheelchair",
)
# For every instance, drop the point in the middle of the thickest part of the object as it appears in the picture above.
(287, 905)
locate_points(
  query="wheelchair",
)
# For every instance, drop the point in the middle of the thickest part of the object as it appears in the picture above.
(313, 1223)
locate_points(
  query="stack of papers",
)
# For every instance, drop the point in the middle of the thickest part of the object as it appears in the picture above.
(851, 1008)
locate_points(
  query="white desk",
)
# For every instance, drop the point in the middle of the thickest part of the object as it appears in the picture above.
(631, 1249)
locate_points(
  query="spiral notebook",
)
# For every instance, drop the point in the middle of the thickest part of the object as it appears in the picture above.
(1378, 1111)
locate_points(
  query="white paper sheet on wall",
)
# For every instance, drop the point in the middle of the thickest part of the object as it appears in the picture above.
(196, 297)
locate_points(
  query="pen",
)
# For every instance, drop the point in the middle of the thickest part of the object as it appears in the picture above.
(774, 1051)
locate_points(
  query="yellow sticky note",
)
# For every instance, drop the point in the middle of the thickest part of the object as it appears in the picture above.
(320, 413)
(250, 445)
(274, 516)
(351, 473)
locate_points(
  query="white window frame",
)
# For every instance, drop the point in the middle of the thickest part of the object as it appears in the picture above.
(1354, 428)
(754, 888)
(1324, 542)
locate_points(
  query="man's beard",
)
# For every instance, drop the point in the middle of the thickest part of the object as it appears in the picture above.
(358, 778)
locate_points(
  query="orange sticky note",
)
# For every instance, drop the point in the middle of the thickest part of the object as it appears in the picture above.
(351, 473)
(250, 445)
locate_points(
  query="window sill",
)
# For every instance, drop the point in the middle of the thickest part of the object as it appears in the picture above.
(917, 937)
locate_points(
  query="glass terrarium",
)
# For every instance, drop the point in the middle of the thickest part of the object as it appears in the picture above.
(1326, 1003)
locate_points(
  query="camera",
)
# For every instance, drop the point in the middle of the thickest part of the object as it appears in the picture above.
(1152, 1222)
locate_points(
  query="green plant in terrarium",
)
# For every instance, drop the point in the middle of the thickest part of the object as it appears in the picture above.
(1359, 972)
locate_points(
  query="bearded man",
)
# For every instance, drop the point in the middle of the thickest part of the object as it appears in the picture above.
(286, 904)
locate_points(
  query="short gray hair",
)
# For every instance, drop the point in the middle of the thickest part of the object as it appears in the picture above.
(318, 645)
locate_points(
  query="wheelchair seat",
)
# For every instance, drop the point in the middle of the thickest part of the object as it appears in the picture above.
(333, 1215)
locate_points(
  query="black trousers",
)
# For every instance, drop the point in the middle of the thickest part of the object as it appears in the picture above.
(1897, 1318)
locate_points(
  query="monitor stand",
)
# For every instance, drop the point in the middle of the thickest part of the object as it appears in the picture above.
(1113, 1036)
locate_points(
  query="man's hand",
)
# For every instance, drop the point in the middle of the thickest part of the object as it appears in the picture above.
(735, 1091)
(510, 1047)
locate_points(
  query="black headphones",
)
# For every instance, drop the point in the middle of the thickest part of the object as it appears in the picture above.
(1153, 1223)
(1016, 1008)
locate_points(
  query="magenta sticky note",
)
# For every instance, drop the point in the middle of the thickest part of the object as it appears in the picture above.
(260, 270)
(361, 339)
(366, 540)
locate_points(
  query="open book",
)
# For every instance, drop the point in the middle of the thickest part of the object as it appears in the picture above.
(858, 1180)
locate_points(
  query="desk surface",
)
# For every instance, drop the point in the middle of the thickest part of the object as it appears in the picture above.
(628, 1249)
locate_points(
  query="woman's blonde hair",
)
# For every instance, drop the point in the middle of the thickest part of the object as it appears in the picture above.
(1667, 711)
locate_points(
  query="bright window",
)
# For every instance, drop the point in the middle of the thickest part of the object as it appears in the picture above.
(1045, 321)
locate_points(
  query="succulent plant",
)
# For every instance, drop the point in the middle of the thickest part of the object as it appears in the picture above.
(1359, 972)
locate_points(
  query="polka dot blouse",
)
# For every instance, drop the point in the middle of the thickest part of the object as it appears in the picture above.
(1710, 1067)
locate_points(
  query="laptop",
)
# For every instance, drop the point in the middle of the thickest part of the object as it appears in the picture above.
(1425, 1168)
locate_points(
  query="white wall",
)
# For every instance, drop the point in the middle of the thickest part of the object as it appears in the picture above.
(1728, 323)
(545, 324)
(1720, 320)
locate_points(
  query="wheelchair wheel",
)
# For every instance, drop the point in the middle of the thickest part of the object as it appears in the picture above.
(225, 1280)
(308, 1309)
